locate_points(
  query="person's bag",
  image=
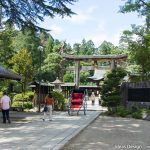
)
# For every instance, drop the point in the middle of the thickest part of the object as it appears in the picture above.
(45, 109)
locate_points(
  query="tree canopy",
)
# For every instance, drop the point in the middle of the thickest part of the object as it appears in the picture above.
(137, 39)
(140, 6)
(29, 12)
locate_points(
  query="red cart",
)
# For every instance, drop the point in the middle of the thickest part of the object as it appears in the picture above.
(77, 102)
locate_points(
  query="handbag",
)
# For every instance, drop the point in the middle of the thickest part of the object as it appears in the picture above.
(45, 109)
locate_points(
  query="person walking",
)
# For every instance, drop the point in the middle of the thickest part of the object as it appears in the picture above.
(93, 98)
(49, 103)
(5, 106)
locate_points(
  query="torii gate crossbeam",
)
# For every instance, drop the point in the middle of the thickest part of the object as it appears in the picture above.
(78, 58)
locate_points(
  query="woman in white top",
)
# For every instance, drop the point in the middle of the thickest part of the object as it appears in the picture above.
(5, 105)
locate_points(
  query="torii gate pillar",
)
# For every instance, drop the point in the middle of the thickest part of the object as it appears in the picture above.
(77, 73)
(113, 64)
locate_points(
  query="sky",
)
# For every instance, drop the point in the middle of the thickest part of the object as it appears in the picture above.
(96, 20)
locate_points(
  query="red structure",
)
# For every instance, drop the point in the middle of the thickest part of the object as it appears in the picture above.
(77, 102)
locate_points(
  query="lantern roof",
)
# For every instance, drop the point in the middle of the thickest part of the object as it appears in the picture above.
(57, 81)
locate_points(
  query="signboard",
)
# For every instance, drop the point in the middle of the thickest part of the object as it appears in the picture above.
(139, 94)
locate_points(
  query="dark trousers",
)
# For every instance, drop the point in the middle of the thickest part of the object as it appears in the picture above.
(5, 114)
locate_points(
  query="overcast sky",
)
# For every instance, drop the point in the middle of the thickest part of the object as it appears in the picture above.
(96, 20)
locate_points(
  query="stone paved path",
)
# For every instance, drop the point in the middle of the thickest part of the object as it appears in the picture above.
(31, 133)
(112, 133)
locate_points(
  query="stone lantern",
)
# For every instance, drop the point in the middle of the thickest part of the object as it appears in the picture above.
(57, 85)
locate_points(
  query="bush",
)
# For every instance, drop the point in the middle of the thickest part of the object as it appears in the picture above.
(23, 97)
(30, 95)
(23, 100)
(25, 104)
(68, 77)
(137, 115)
(20, 97)
(1, 94)
(59, 100)
(122, 111)
(112, 101)
(28, 105)
(134, 109)
(17, 103)
(110, 90)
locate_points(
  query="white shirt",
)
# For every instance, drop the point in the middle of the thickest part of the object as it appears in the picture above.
(5, 102)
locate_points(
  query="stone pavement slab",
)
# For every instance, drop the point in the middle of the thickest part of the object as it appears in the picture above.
(112, 133)
(31, 133)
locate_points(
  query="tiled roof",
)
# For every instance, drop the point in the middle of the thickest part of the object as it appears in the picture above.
(98, 74)
(6, 74)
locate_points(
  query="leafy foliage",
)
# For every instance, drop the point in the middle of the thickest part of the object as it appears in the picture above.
(59, 100)
(23, 100)
(23, 97)
(140, 6)
(105, 48)
(83, 77)
(110, 88)
(137, 39)
(52, 65)
(85, 48)
(69, 77)
(49, 45)
(137, 115)
(22, 64)
(122, 111)
(139, 48)
(6, 48)
(19, 12)
(28, 39)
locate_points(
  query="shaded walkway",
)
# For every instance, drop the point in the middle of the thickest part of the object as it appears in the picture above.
(112, 133)
(31, 133)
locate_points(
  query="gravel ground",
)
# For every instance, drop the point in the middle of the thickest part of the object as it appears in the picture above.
(112, 133)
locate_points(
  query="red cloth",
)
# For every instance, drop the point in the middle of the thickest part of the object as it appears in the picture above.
(77, 95)
(76, 100)
(76, 106)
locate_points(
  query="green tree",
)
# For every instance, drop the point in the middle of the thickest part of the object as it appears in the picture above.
(76, 48)
(138, 39)
(142, 7)
(6, 48)
(105, 48)
(22, 64)
(49, 45)
(83, 77)
(85, 48)
(69, 77)
(57, 46)
(20, 12)
(139, 48)
(67, 47)
(110, 89)
(29, 40)
(53, 51)
(51, 66)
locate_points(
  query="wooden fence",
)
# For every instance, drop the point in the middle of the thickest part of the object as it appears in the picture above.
(135, 92)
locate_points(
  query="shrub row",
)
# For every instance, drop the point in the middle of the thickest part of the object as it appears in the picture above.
(125, 112)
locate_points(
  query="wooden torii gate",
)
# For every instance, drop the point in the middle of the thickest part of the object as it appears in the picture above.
(77, 58)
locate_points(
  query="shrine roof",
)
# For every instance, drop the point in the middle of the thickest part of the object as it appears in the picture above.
(6, 74)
